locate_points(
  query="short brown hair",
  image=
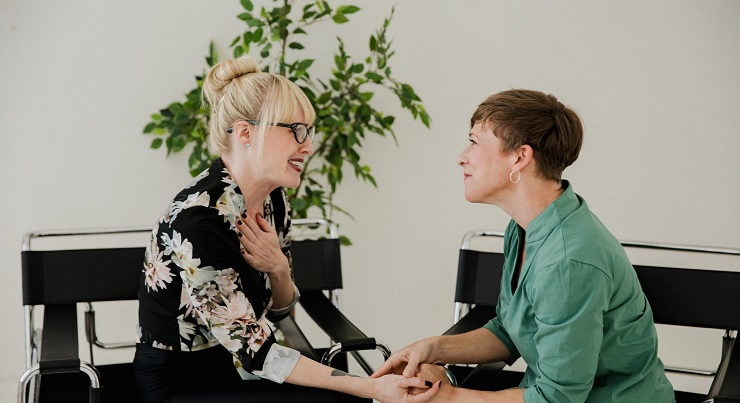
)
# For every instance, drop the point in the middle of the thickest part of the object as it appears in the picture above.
(518, 117)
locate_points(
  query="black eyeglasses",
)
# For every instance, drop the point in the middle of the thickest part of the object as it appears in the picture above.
(301, 131)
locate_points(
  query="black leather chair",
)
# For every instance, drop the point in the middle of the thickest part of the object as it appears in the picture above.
(678, 296)
(701, 298)
(476, 295)
(58, 280)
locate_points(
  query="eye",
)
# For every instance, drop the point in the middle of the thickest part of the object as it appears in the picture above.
(472, 142)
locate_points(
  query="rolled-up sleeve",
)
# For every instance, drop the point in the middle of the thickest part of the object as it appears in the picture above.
(569, 300)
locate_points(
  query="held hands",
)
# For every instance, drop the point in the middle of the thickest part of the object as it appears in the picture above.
(261, 246)
(408, 360)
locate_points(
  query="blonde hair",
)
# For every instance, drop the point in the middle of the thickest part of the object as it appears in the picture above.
(238, 90)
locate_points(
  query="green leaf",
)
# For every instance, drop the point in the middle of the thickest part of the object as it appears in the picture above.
(344, 241)
(347, 9)
(373, 43)
(255, 23)
(156, 143)
(375, 77)
(247, 5)
(299, 204)
(305, 64)
(238, 52)
(245, 16)
(149, 127)
(339, 18)
(295, 45)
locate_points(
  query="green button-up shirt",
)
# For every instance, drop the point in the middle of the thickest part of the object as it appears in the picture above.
(577, 315)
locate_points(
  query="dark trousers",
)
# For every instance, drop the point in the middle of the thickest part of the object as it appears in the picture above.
(209, 376)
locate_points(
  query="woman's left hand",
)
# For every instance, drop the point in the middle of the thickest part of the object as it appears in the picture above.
(261, 246)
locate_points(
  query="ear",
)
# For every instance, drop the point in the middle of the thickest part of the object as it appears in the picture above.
(243, 132)
(523, 157)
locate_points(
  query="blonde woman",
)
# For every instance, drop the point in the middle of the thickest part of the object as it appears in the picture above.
(218, 266)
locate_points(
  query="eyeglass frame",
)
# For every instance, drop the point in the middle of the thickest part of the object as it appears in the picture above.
(310, 130)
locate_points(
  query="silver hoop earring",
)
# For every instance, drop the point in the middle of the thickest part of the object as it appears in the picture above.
(518, 177)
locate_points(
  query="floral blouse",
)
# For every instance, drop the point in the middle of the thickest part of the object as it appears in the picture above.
(197, 291)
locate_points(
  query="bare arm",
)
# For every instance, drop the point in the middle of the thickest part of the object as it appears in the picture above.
(391, 388)
(474, 347)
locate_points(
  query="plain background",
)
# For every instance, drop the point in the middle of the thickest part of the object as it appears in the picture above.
(656, 84)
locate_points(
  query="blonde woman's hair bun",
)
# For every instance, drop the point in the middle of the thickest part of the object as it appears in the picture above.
(223, 73)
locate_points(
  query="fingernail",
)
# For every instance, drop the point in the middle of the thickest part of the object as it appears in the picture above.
(238, 222)
(244, 214)
(428, 384)
(239, 234)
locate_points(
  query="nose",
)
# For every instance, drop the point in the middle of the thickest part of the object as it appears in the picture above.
(462, 159)
(306, 147)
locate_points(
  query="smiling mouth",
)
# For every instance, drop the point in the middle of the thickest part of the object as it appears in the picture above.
(296, 164)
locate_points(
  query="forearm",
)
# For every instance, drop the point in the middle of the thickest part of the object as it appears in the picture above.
(310, 373)
(474, 347)
(283, 288)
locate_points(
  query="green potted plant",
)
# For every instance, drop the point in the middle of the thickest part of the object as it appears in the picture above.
(342, 98)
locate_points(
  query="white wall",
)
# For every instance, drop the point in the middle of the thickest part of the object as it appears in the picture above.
(655, 82)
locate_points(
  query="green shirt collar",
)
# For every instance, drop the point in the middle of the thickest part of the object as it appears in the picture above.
(554, 214)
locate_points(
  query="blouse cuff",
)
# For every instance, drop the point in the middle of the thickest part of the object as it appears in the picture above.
(280, 313)
(279, 363)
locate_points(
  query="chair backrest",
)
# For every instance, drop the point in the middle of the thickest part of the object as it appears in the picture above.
(692, 297)
(479, 277)
(81, 275)
(317, 264)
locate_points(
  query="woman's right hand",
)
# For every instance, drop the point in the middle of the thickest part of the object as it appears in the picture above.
(397, 388)
(406, 361)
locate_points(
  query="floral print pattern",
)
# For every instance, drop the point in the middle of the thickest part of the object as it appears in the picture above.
(198, 292)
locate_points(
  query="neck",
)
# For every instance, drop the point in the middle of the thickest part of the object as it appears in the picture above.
(529, 200)
(254, 190)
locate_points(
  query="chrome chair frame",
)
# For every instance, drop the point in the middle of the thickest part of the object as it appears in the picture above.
(28, 385)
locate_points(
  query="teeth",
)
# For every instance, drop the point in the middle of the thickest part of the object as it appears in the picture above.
(296, 163)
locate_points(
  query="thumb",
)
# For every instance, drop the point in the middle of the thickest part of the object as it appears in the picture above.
(263, 223)
(411, 366)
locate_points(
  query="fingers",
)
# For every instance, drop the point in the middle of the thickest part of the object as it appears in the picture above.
(264, 225)
(383, 369)
(426, 395)
(412, 366)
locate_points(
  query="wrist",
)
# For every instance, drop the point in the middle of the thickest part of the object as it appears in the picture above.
(281, 272)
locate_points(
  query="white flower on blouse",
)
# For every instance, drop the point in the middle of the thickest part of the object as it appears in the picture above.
(226, 282)
(227, 179)
(186, 328)
(224, 337)
(155, 268)
(195, 199)
(157, 344)
(237, 311)
(185, 302)
(180, 250)
(197, 178)
(230, 205)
